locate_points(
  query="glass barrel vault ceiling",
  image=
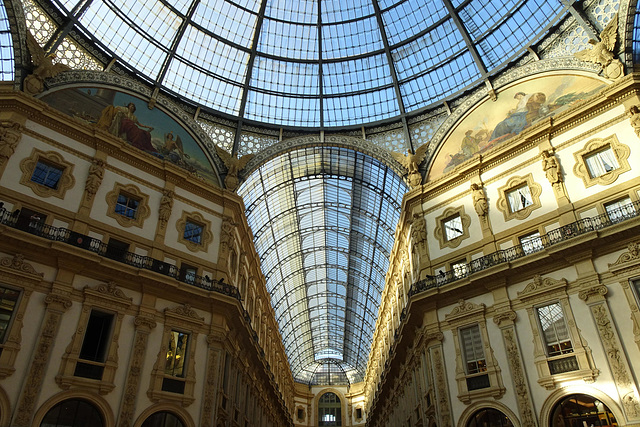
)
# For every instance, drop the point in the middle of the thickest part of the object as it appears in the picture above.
(324, 221)
(314, 63)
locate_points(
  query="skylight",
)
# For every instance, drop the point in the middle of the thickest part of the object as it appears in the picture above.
(310, 63)
(324, 221)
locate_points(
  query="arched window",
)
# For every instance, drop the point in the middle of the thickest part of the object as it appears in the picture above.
(489, 417)
(329, 410)
(581, 410)
(73, 413)
(163, 419)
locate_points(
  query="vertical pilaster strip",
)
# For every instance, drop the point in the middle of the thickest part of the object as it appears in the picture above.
(443, 403)
(57, 305)
(505, 321)
(144, 325)
(212, 384)
(594, 297)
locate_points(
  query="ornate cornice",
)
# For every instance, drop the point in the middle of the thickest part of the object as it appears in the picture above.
(541, 286)
(18, 263)
(464, 309)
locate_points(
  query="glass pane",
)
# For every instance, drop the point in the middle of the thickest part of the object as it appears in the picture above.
(8, 302)
(554, 329)
(176, 354)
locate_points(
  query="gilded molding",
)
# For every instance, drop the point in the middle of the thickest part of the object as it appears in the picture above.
(35, 377)
(505, 318)
(593, 294)
(142, 212)
(621, 151)
(10, 135)
(206, 237)
(18, 263)
(632, 254)
(444, 406)
(516, 366)
(132, 385)
(440, 233)
(28, 166)
(186, 312)
(541, 286)
(617, 361)
(464, 309)
(514, 183)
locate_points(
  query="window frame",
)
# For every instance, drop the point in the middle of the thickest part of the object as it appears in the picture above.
(542, 292)
(464, 346)
(163, 386)
(4, 334)
(142, 212)
(464, 315)
(440, 229)
(107, 299)
(199, 219)
(53, 159)
(513, 184)
(593, 147)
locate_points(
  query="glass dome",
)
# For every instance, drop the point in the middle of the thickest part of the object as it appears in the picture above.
(313, 63)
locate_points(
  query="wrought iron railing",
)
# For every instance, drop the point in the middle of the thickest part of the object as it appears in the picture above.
(558, 235)
(60, 234)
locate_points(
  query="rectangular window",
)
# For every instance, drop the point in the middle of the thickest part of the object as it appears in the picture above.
(554, 329)
(127, 206)
(193, 232)
(531, 243)
(460, 269)
(96, 337)
(176, 354)
(472, 349)
(117, 250)
(519, 198)
(47, 174)
(620, 210)
(8, 305)
(452, 227)
(601, 162)
(95, 346)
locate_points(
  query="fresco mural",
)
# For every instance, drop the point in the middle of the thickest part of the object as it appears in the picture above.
(128, 117)
(516, 109)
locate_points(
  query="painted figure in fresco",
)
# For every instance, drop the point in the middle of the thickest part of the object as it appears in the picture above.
(529, 108)
(122, 122)
(173, 149)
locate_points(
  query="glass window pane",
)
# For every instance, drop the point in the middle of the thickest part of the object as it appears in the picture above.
(176, 354)
(554, 329)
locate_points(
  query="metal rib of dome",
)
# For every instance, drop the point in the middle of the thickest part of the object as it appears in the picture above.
(324, 222)
(314, 63)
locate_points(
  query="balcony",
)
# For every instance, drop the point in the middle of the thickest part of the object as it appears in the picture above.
(554, 237)
(59, 234)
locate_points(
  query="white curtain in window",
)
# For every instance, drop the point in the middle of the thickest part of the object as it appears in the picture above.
(601, 162)
(519, 198)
